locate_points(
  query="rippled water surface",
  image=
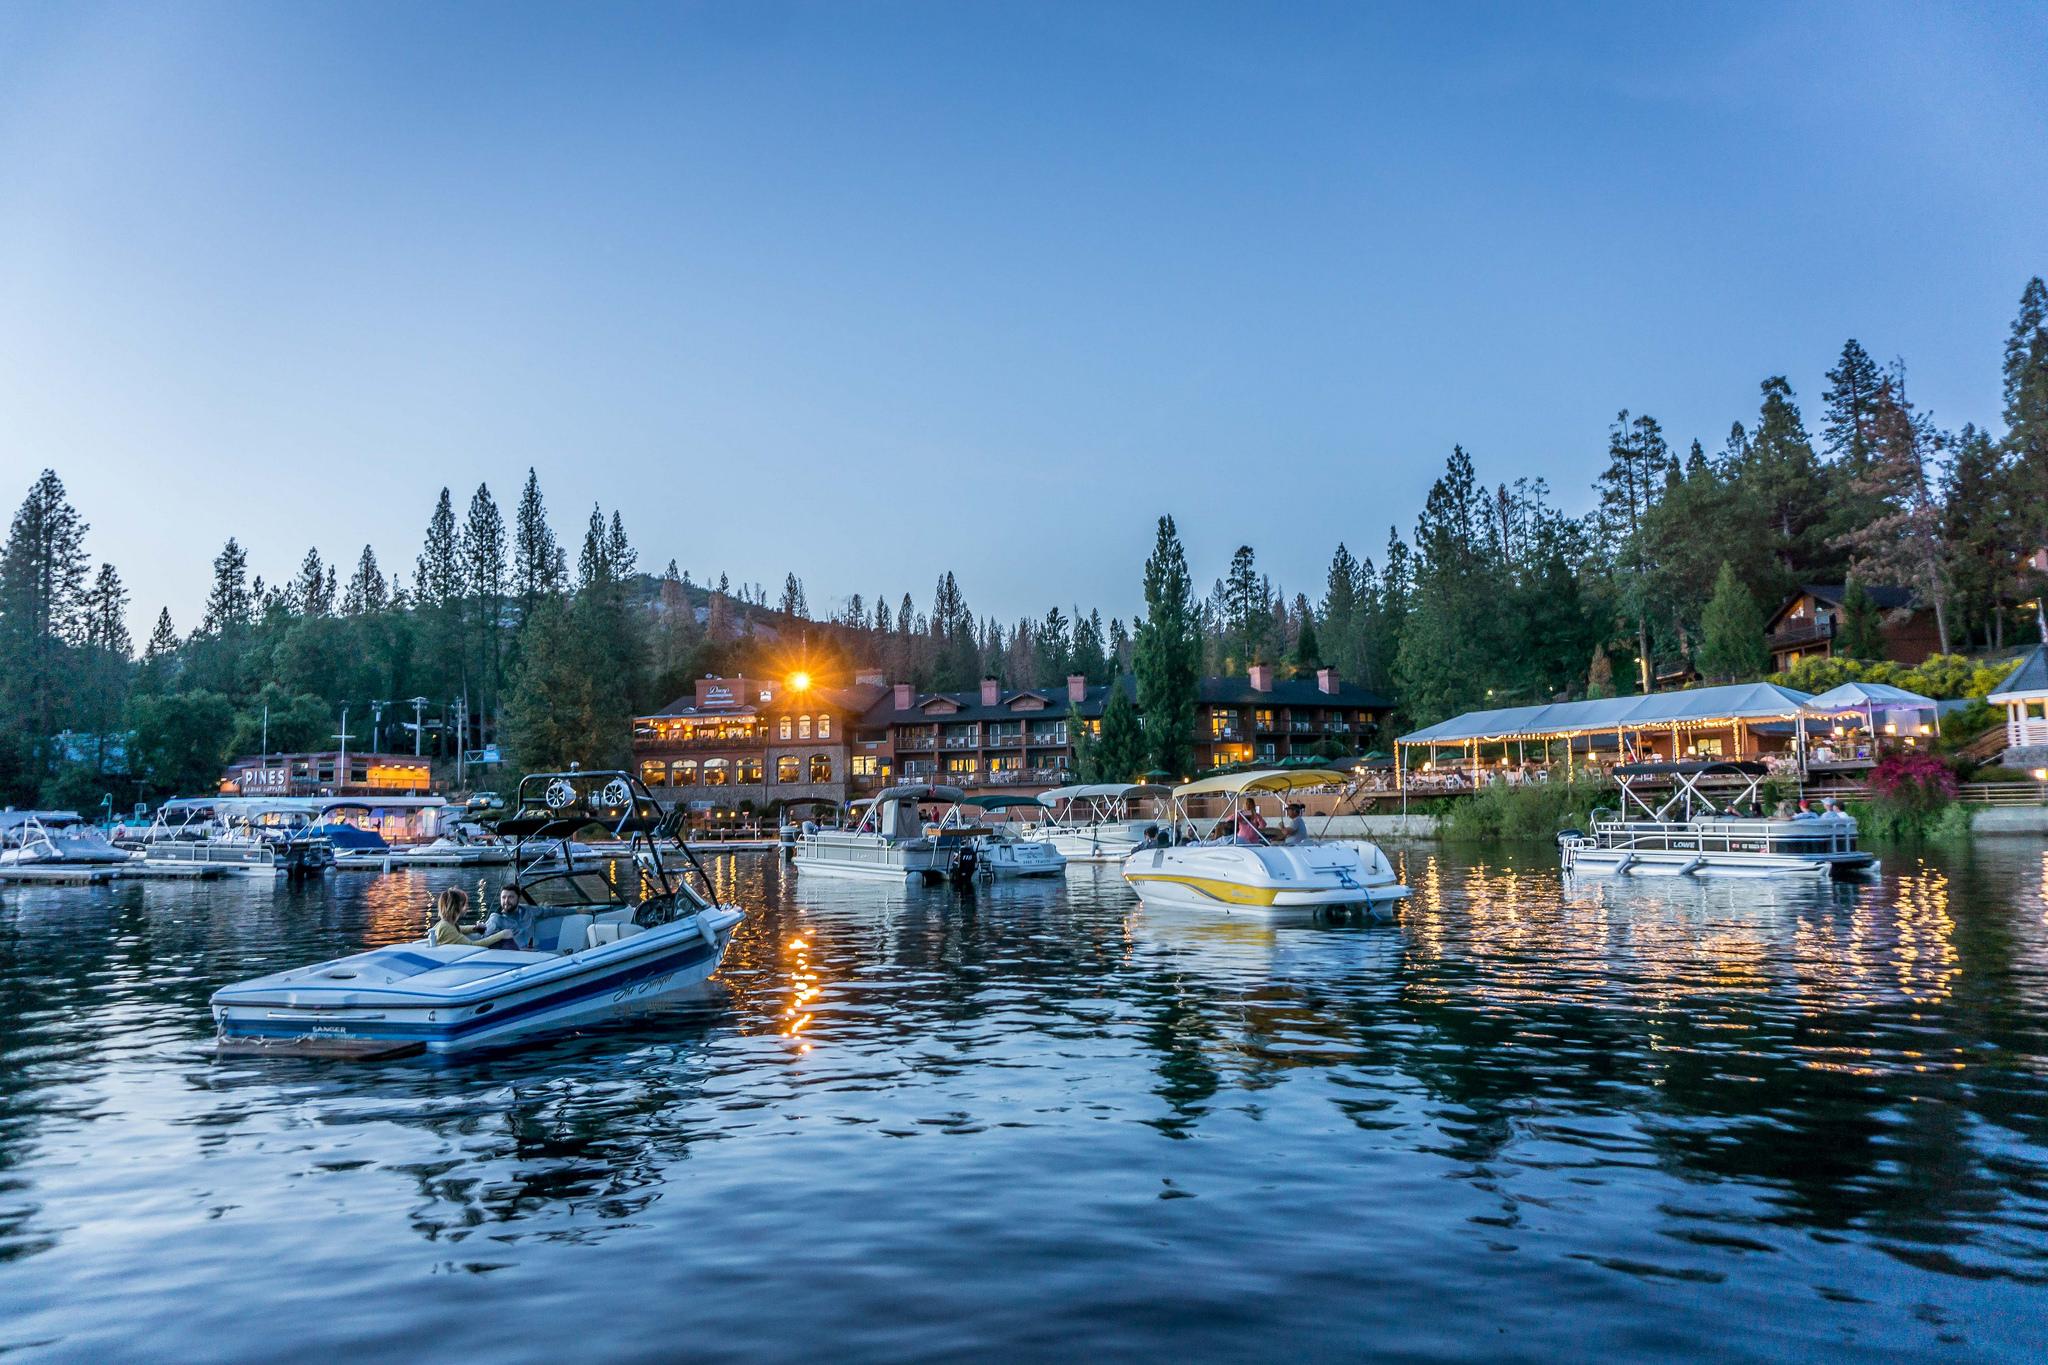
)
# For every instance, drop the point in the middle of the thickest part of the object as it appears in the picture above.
(1750, 1120)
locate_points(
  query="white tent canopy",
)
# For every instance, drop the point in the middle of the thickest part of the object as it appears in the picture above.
(1757, 701)
(1861, 696)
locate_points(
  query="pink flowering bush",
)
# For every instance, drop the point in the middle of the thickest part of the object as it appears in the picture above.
(1912, 781)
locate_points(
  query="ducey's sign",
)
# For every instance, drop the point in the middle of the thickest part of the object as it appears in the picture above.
(733, 692)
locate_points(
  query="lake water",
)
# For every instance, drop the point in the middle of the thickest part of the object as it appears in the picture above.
(1752, 1120)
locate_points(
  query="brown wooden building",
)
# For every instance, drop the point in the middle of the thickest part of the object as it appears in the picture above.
(1806, 625)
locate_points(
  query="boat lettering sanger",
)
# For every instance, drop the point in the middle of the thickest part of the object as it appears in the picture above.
(591, 941)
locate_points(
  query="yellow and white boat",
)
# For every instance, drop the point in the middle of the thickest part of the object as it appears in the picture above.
(1243, 870)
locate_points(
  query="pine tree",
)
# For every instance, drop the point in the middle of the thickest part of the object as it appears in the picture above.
(793, 604)
(1342, 623)
(1984, 534)
(1851, 399)
(1906, 542)
(1861, 635)
(1307, 654)
(1732, 646)
(1091, 652)
(308, 592)
(1247, 610)
(1445, 654)
(1167, 651)
(620, 556)
(163, 638)
(437, 579)
(1120, 753)
(105, 621)
(366, 592)
(481, 562)
(593, 565)
(1052, 650)
(230, 605)
(537, 562)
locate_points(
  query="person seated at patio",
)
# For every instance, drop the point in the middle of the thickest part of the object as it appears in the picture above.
(448, 931)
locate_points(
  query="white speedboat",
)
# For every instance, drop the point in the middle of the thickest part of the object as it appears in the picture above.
(1690, 832)
(890, 841)
(1098, 822)
(54, 839)
(1000, 851)
(588, 947)
(1242, 871)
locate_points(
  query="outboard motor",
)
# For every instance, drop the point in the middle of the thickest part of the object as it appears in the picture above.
(1569, 836)
(965, 864)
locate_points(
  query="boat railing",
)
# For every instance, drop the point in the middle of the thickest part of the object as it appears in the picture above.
(1729, 836)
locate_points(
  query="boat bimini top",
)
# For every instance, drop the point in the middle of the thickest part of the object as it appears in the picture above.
(1261, 780)
(1686, 798)
(1104, 800)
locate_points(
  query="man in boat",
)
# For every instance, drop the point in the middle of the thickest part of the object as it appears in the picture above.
(513, 916)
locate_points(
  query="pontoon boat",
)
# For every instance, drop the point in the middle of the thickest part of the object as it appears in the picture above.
(1695, 833)
(890, 841)
(998, 849)
(593, 941)
(1098, 822)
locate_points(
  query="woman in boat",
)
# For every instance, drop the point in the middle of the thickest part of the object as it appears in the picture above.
(448, 931)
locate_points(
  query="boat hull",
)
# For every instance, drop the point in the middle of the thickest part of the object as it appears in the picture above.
(1621, 862)
(293, 1013)
(871, 858)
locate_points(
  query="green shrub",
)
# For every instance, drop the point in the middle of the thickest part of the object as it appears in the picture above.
(1533, 812)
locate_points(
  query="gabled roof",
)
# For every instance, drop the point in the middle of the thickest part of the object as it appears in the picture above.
(1854, 696)
(1883, 596)
(1737, 701)
(1288, 692)
(969, 705)
(2027, 682)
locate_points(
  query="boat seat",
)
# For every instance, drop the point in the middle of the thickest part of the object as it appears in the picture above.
(609, 933)
(575, 929)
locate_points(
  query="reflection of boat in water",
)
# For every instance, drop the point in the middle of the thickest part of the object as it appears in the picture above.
(1244, 872)
(53, 839)
(585, 950)
(890, 841)
(1691, 833)
(1092, 823)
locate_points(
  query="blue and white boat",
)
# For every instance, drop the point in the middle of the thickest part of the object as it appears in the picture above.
(593, 941)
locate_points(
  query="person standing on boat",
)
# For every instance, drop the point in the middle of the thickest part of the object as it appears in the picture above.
(447, 929)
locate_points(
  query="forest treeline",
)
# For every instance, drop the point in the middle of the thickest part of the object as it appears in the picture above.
(1498, 594)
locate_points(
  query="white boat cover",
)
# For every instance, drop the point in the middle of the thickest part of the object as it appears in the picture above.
(1737, 701)
(1855, 696)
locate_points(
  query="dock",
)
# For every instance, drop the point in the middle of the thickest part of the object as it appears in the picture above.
(58, 876)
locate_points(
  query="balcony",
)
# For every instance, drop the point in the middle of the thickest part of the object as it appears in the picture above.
(1801, 635)
(1004, 739)
(1220, 732)
(918, 742)
(1033, 777)
(1056, 736)
(648, 741)
(961, 742)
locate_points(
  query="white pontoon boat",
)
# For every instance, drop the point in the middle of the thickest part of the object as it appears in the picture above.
(890, 840)
(997, 849)
(1691, 832)
(1241, 870)
(1098, 822)
(593, 941)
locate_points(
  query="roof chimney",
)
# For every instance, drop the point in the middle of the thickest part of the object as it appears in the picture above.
(991, 691)
(1262, 677)
(904, 696)
(1326, 680)
(1077, 688)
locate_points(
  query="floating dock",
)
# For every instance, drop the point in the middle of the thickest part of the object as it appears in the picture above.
(59, 876)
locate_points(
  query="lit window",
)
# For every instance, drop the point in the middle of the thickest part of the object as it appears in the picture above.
(821, 767)
(683, 773)
(824, 727)
(654, 772)
(717, 772)
(749, 770)
(786, 768)
(785, 727)
(803, 727)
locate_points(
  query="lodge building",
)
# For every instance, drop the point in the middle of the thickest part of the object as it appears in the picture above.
(332, 773)
(739, 745)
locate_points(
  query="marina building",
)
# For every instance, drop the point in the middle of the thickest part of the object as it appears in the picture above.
(759, 742)
(332, 773)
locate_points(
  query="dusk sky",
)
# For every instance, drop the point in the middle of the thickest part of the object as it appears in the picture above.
(870, 291)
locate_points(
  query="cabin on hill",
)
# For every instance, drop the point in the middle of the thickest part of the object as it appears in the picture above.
(1805, 625)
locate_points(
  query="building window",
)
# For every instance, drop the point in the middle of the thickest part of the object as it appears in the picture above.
(683, 773)
(749, 770)
(784, 728)
(960, 767)
(803, 727)
(824, 727)
(1006, 763)
(654, 772)
(867, 765)
(717, 771)
(1219, 724)
(821, 767)
(1263, 719)
(786, 768)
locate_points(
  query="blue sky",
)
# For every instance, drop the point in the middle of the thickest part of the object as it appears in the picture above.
(870, 291)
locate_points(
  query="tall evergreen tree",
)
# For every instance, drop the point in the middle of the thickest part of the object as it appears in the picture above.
(308, 592)
(366, 593)
(437, 580)
(619, 552)
(1861, 635)
(537, 562)
(793, 603)
(230, 605)
(1851, 398)
(1907, 542)
(1120, 752)
(1167, 651)
(1732, 647)
(1446, 655)
(1091, 650)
